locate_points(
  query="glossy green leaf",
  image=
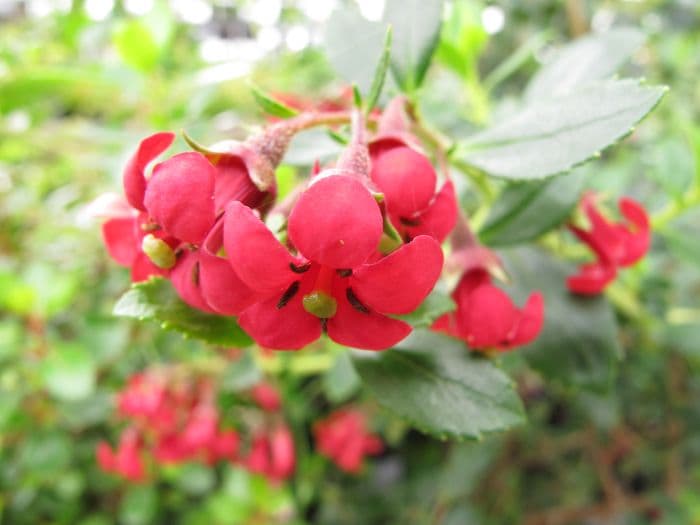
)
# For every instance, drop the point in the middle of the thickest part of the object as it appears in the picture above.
(589, 59)
(578, 343)
(156, 300)
(375, 90)
(552, 136)
(434, 383)
(526, 210)
(416, 25)
(271, 106)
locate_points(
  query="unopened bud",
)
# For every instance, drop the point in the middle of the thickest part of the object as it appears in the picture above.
(158, 251)
(320, 304)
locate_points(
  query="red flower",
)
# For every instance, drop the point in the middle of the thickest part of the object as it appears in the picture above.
(126, 460)
(343, 437)
(408, 180)
(272, 454)
(333, 284)
(487, 318)
(266, 397)
(614, 244)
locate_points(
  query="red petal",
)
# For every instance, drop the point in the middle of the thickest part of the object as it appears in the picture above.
(530, 323)
(119, 236)
(180, 196)
(360, 329)
(134, 178)
(487, 318)
(399, 282)
(142, 269)
(234, 184)
(256, 256)
(439, 218)
(185, 277)
(406, 178)
(336, 222)
(282, 453)
(636, 242)
(105, 457)
(592, 278)
(287, 328)
(220, 285)
(447, 324)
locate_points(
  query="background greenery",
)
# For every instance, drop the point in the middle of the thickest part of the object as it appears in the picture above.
(80, 84)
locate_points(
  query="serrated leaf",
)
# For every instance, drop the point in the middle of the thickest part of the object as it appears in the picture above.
(552, 136)
(588, 59)
(155, 300)
(578, 343)
(375, 90)
(434, 383)
(432, 307)
(526, 210)
(271, 106)
(416, 26)
(352, 44)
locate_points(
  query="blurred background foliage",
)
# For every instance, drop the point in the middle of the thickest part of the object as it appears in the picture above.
(82, 81)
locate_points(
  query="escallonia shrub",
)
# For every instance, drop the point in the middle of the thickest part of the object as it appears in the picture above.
(373, 251)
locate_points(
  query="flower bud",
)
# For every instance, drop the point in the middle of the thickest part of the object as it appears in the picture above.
(158, 251)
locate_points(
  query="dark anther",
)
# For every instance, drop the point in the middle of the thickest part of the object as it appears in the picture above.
(410, 222)
(355, 302)
(300, 269)
(195, 274)
(324, 325)
(344, 272)
(287, 296)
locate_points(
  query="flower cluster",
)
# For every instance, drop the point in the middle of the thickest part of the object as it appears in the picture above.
(171, 420)
(615, 245)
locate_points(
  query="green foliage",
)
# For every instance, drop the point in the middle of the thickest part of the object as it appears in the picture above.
(155, 300)
(443, 393)
(552, 136)
(271, 106)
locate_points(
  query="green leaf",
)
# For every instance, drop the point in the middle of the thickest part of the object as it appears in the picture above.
(352, 44)
(553, 136)
(526, 210)
(437, 303)
(434, 383)
(416, 25)
(586, 60)
(578, 343)
(375, 90)
(156, 300)
(136, 45)
(340, 382)
(139, 505)
(271, 106)
(69, 372)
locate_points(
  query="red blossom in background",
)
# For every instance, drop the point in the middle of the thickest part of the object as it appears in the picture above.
(615, 245)
(343, 437)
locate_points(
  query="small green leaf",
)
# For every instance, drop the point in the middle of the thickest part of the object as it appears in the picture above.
(554, 135)
(375, 90)
(526, 210)
(270, 105)
(584, 61)
(416, 27)
(436, 304)
(434, 383)
(578, 343)
(241, 374)
(340, 382)
(155, 300)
